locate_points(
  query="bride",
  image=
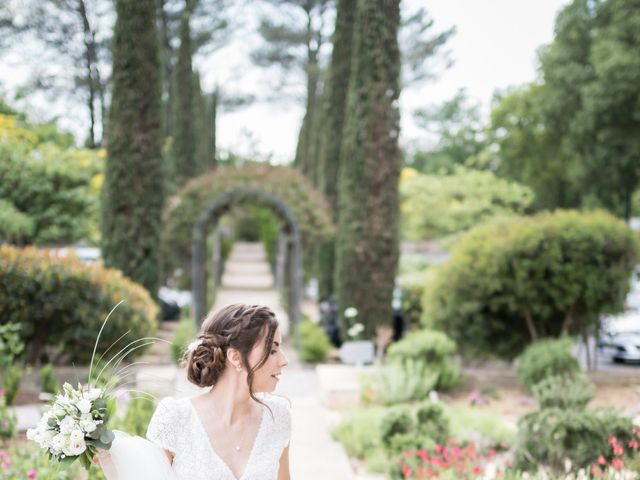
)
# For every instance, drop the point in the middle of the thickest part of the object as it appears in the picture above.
(236, 430)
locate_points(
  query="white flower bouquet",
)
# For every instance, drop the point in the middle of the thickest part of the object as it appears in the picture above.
(75, 425)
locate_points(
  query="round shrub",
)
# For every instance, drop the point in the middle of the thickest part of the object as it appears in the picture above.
(546, 358)
(61, 304)
(435, 350)
(314, 343)
(568, 391)
(517, 280)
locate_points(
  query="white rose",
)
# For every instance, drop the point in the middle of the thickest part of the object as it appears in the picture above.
(58, 411)
(93, 394)
(67, 424)
(59, 443)
(84, 406)
(76, 444)
(88, 425)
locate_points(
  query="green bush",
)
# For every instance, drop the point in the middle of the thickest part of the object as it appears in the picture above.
(48, 380)
(67, 303)
(359, 431)
(15, 226)
(435, 350)
(566, 391)
(11, 381)
(486, 429)
(398, 382)
(11, 345)
(314, 343)
(546, 358)
(550, 436)
(517, 280)
(403, 428)
(137, 416)
(184, 334)
(8, 420)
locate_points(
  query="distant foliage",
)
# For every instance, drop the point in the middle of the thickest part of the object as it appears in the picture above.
(68, 301)
(435, 206)
(517, 280)
(49, 192)
(184, 334)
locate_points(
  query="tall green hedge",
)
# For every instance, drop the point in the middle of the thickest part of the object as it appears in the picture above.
(308, 205)
(61, 303)
(133, 188)
(518, 280)
(367, 247)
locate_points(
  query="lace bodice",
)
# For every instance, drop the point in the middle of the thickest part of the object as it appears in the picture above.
(176, 427)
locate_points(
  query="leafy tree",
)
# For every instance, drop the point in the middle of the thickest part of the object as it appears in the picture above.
(435, 206)
(460, 132)
(133, 193)
(514, 281)
(367, 242)
(530, 152)
(73, 34)
(590, 72)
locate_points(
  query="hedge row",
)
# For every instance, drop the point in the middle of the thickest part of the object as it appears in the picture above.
(61, 304)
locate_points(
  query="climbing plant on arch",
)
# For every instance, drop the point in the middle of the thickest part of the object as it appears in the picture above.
(278, 185)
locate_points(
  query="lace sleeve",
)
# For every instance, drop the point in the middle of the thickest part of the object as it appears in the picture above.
(163, 427)
(282, 416)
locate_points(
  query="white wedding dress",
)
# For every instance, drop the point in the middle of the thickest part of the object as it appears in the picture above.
(176, 427)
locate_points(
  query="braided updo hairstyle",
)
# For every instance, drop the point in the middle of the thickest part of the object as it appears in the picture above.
(236, 326)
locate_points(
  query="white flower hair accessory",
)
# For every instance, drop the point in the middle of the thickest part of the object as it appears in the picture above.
(193, 345)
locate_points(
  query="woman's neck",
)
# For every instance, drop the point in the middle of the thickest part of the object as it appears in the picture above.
(230, 398)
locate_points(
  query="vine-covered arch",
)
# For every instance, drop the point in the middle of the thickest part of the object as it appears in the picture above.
(210, 217)
(195, 210)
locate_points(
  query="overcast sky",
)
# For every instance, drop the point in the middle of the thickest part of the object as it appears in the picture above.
(494, 48)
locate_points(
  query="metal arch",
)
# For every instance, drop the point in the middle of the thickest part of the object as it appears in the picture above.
(211, 214)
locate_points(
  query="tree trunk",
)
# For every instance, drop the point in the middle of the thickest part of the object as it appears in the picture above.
(531, 327)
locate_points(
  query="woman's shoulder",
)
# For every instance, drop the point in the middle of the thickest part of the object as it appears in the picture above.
(172, 409)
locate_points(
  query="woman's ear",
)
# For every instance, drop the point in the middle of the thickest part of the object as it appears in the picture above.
(234, 357)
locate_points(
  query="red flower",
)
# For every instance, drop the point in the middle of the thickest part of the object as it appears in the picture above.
(613, 441)
(633, 444)
(476, 470)
(601, 460)
(618, 450)
(406, 470)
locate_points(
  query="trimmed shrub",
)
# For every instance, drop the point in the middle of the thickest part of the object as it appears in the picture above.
(184, 334)
(434, 350)
(11, 382)
(8, 419)
(517, 280)
(314, 343)
(48, 380)
(574, 392)
(544, 359)
(61, 304)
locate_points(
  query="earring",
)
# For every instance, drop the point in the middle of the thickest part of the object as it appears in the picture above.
(238, 369)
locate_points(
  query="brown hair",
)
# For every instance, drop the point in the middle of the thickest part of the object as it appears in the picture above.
(236, 326)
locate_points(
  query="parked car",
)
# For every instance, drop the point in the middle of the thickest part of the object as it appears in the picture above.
(620, 337)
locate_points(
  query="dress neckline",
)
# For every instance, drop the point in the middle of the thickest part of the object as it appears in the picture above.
(212, 450)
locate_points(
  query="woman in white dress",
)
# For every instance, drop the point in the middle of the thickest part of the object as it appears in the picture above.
(236, 430)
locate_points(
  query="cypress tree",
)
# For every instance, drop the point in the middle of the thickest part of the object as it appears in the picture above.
(367, 245)
(184, 142)
(335, 101)
(133, 186)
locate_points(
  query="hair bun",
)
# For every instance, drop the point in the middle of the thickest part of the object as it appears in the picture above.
(206, 360)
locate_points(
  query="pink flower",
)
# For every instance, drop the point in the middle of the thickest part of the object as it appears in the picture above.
(1, 392)
(618, 450)
(613, 441)
(601, 460)
(476, 470)
(32, 473)
(617, 463)
(3, 454)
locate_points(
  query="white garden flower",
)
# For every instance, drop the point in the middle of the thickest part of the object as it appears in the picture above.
(351, 312)
(93, 394)
(84, 406)
(356, 329)
(59, 443)
(88, 425)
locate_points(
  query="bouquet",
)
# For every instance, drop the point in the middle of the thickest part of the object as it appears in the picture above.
(75, 425)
